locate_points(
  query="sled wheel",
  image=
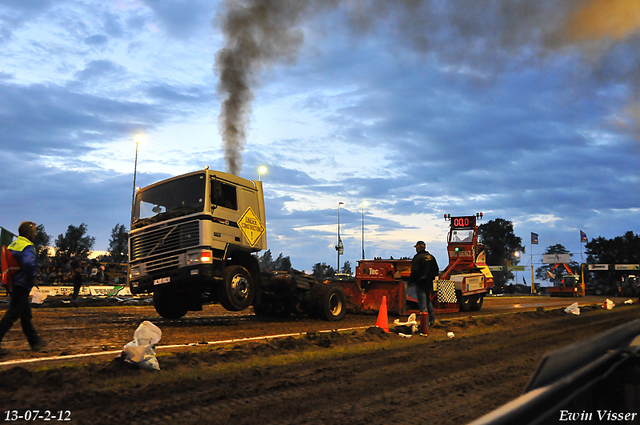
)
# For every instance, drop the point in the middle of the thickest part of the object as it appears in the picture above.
(236, 291)
(330, 302)
(169, 303)
(465, 303)
(476, 303)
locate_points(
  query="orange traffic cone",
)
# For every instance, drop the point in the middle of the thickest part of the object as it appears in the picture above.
(383, 320)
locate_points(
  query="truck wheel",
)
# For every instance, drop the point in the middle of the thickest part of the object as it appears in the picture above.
(476, 303)
(237, 289)
(169, 303)
(330, 301)
(465, 303)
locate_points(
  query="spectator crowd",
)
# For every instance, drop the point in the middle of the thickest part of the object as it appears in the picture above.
(59, 271)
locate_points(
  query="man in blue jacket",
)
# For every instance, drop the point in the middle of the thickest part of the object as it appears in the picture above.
(24, 252)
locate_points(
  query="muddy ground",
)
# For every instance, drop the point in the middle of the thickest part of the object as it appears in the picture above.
(355, 376)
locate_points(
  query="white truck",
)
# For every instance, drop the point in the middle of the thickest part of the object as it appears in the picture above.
(193, 240)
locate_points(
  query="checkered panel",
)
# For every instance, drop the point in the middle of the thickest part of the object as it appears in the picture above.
(446, 291)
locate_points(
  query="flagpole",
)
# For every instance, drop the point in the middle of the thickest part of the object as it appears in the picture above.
(532, 241)
(583, 239)
(582, 247)
(533, 283)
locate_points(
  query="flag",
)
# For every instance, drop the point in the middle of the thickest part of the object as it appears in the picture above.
(6, 237)
(534, 238)
(583, 236)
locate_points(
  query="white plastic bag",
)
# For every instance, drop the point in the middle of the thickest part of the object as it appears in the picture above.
(608, 304)
(411, 320)
(141, 350)
(573, 309)
(37, 297)
(410, 326)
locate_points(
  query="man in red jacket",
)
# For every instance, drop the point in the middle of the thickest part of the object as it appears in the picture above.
(24, 252)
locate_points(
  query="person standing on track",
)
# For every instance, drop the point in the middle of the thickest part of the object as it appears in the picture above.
(76, 270)
(424, 269)
(24, 279)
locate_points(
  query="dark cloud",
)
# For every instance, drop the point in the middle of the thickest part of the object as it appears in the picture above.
(98, 40)
(136, 23)
(112, 25)
(42, 118)
(100, 68)
(47, 118)
(280, 175)
(14, 14)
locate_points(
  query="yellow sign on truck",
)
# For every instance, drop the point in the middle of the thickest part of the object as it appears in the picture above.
(251, 227)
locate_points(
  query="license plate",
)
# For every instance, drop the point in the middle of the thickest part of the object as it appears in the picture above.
(161, 280)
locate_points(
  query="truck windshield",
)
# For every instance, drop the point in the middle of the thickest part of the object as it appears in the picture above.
(171, 199)
(462, 235)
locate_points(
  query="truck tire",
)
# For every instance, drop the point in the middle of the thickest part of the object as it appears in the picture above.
(168, 303)
(476, 302)
(236, 291)
(465, 303)
(330, 302)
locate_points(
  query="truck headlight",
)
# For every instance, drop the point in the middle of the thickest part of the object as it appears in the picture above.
(199, 257)
(134, 272)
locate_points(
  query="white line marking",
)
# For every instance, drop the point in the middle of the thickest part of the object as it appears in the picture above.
(192, 344)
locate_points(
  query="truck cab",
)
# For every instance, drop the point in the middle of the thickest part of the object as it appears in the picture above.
(191, 241)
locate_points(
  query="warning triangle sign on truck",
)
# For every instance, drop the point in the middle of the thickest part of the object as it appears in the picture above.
(251, 227)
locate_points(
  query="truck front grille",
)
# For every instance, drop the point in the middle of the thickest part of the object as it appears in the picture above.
(165, 239)
(163, 263)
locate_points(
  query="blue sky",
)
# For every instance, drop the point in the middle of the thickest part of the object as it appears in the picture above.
(524, 110)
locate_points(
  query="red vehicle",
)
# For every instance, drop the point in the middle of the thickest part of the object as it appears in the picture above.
(565, 284)
(461, 287)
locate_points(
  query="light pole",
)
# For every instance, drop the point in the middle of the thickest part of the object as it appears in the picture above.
(363, 204)
(261, 171)
(137, 139)
(339, 246)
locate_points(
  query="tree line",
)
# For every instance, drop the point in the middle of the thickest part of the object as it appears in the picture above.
(501, 243)
(498, 238)
(75, 242)
(320, 271)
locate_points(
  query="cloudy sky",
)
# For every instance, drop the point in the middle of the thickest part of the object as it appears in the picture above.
(526, 111)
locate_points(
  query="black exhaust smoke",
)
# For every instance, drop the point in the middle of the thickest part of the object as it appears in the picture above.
(490, 36)
(257, 34)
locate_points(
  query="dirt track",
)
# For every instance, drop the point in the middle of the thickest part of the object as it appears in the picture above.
(353, 377)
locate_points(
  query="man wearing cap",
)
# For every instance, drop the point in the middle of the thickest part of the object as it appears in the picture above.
(24, 252)
(424, 269)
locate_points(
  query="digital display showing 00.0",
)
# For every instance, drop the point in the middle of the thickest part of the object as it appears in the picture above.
(463, 222)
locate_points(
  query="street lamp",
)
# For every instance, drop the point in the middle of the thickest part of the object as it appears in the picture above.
(339, 246)
(517, 255)
(138, 139)
(261, 171)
